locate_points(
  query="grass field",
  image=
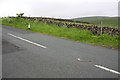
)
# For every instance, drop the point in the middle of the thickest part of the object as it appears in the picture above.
(75, 34)
(106, 21)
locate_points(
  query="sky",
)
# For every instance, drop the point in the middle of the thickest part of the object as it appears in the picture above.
(59, 8)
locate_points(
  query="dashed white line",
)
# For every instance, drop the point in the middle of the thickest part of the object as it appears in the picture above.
(27, 40)
(99, 66)
(107, 69)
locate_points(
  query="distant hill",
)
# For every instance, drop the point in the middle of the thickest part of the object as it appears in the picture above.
(106, 21)
(92, 17)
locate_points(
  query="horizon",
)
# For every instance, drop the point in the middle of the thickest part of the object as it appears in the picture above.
(70, 18)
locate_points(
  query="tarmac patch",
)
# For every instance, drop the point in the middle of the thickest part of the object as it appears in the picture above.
(8, 47)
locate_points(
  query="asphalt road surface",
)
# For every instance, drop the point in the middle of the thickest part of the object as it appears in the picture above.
(0, 52)
(28, 54)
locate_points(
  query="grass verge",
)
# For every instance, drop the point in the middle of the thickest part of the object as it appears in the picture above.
(75, 34)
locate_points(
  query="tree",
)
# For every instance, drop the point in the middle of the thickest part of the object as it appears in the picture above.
(20, 15)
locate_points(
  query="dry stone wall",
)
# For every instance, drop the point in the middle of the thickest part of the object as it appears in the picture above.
(97, 30)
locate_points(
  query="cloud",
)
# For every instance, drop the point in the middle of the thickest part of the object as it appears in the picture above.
(59, 8)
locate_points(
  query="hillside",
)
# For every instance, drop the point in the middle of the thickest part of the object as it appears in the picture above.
(106, 21)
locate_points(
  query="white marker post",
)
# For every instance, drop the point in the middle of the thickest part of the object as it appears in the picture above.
(29, 26)
(101, 27)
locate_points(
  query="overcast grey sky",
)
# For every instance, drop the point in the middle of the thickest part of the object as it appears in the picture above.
(59, 8)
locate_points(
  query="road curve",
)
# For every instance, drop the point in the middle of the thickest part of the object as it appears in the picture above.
(61, 58)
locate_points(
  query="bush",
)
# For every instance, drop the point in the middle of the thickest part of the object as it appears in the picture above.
(20, 15)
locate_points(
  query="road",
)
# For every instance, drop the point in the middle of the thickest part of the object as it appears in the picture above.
(28, 54)
(0, 52)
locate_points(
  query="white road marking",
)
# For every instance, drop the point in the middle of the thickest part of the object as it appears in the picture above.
(107, 69)
(27, 40)
(99, 66)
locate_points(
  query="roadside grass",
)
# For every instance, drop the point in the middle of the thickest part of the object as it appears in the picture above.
(0, 21)
(75, 34)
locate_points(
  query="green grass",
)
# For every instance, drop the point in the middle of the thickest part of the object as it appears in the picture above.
(0, 21)
(106, 21)
(75, 34)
